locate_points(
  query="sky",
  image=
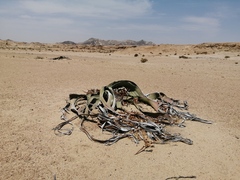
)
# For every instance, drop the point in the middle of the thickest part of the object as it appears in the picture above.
(159, 21)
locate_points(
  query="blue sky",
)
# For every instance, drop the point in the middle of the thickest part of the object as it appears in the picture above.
(159, 21)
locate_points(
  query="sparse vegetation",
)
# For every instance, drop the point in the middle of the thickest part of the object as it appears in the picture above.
(203, 52)
(183, 57)
(226, 57)
(60, 58)
(135, 55)
(39, 57)
(143, 60)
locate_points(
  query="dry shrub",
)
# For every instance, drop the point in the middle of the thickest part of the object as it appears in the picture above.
(143, 60)
(39, 57)
(203, 52)
(184, 57)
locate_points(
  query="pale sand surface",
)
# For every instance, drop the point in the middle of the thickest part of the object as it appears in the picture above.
(32, 92)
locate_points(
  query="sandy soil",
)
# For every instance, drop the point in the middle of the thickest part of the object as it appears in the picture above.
(33, 89)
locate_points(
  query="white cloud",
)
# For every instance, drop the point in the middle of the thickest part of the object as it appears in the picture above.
(203, 21)
(224, 10)
(142, 27)
(24, 16)
(87, 8)
(77, 20)
(204, 24)
(43, 22)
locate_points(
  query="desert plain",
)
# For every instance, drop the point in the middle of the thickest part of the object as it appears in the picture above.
(34, 88)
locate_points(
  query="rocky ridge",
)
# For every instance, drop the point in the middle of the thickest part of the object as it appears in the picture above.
(101, 42)
(110, 46)
(95, 41)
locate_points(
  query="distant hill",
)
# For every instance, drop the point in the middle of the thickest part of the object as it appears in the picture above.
(110, 46)
(95, 41)
(68, 42)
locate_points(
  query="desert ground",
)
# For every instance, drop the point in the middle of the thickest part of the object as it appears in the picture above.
(34, 88)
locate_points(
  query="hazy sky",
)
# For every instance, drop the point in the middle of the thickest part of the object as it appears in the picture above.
(159, 21)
